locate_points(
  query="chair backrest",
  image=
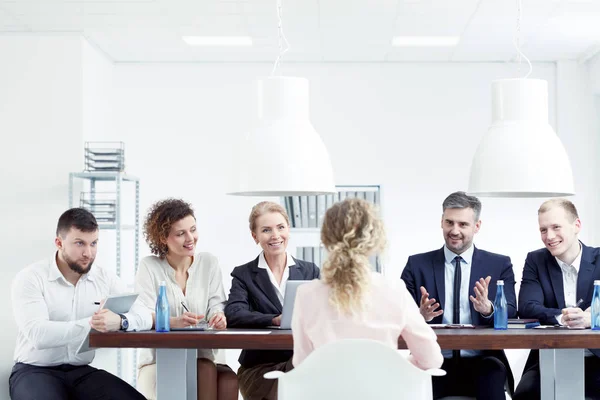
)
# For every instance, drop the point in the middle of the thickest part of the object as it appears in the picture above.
(355, 369)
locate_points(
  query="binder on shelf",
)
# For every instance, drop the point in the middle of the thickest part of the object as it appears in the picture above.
(297, 220)
(312, 211)
(370, 197)
(321, 208)
(317, 256)
(377, 197)
(330, 200)
(304, 211)
(308, 254)
(287, 204)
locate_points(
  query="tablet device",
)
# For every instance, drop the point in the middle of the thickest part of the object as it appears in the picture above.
(117, 303)
(120, 303)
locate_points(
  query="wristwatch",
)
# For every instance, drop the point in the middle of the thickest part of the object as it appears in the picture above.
(124, 322)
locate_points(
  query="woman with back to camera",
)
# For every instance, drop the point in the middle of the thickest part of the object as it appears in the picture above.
(257, 293)
(350, 301)
(194, 280)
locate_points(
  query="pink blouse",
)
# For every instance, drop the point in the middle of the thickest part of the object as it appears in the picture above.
(390, 312)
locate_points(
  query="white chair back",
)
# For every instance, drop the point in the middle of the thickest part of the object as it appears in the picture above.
(355, 369)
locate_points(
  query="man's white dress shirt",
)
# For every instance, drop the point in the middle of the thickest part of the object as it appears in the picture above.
(53, 316)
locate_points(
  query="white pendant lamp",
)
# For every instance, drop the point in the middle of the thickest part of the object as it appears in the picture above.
(520, 155)
(284, 156)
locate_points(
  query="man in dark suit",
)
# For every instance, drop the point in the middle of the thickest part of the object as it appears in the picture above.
(554, 279)
(463, 280)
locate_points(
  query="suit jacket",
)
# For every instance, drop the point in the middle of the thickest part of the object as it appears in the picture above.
(428, 270)
(253, 303)
(542, 293)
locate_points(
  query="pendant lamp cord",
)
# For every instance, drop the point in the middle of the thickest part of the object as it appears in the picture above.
(282, 39)
(517, 42)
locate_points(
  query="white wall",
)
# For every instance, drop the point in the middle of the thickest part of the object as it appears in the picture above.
(579, 129)
(97, 91)
(40, 127)
(411, 128)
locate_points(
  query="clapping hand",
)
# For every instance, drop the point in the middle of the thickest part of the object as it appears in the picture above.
(481, 303)
(428, 306)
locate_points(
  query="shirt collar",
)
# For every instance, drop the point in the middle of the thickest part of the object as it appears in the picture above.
(262, 262)
(54, 272)
(576, 263)
(467, 255)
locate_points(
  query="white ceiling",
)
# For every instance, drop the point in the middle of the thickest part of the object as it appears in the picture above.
(318, 30)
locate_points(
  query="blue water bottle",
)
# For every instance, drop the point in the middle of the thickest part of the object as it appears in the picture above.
(162, 309)
(596, 307)
(500, 308)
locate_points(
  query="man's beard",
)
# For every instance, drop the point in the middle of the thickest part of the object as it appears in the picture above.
(75, 267)
(460, 249)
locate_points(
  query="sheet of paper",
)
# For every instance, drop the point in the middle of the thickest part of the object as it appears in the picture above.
(558, 327)
(243, 332)
(451, 326)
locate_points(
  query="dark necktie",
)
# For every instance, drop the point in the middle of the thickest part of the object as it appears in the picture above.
(456, 297)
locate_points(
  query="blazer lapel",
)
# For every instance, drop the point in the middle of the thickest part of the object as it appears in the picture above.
(439, 272)
(556, 278)
(261, 278)
(475, 275)
(296, 272)
(585, 277)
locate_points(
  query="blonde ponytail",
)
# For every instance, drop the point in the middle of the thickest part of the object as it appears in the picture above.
(351, 232)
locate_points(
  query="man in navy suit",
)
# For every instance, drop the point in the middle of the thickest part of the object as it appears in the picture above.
(554, 279)
(463, 280)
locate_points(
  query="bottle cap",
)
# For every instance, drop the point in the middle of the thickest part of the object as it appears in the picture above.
(500, 282)
(163, 283)
(597, 282)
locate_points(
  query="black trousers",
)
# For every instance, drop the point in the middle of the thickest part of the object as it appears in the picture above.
(481, 377)
(529, 387)
(68, 382)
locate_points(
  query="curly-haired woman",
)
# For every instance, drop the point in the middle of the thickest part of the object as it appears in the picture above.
(350, 301)
(193, 279)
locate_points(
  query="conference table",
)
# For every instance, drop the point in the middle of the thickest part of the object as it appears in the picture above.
(561, 352)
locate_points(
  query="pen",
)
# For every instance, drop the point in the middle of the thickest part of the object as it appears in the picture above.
(578, 303)
(184, 307)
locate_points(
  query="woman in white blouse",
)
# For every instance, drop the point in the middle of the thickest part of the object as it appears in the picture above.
(194, 280)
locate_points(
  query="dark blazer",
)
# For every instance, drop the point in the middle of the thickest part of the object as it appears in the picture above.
(253, 303)
(428, 270)
(542, 294)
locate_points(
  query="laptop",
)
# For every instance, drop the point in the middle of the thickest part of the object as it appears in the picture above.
(291, 287)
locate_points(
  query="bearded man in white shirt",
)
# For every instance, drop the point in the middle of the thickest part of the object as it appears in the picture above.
(54, 306)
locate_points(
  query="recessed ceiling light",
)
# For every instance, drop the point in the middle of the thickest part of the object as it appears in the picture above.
(425, 41)
(218, 40)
